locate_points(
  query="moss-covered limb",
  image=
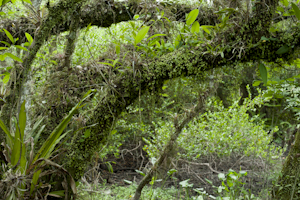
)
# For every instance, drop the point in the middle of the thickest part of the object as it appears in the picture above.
(102, 14)
(287, 186)
(54, 17)
(182, 62)
(169, 148)
(57, 15)
(73, 33)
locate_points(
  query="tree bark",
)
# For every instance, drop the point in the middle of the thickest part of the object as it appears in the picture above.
(169, 148)
(287, 186)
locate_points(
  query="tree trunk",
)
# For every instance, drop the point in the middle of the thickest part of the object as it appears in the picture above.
(287, 186)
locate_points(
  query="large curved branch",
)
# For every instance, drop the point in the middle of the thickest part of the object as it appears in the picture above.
(184, 61)
(101, 14)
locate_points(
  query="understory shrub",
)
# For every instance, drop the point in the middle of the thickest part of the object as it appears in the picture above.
(220, 133)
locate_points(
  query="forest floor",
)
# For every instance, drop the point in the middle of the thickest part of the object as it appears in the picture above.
(121, 171)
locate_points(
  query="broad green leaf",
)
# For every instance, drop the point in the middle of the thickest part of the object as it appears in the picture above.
(281, 9)
(6, 79)
(156, 35)
(285, 3)
(263, 73)
(20, 47)
(297, 11)
(14, 57)
(284, 49)
(4, 2)
(15, 155)
(195, 27)
(192, 16)
(205, 28)
(26, 44)
(3, 48)
(6, 43)
(256, 83)
(118, 49)
(9, 36)
(28, 1)
(153, 42)
(29, 38)
(141, 34)
(3, 56)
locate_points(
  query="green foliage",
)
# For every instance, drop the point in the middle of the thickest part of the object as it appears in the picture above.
(263, 73)
(219, 133)
(232, 187)
(21, 158)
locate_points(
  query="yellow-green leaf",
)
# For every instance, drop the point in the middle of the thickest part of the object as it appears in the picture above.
(9, 36)
(156, 35)
(141, 34)
(192, 16)
(6, 78)
(20, 47)
(195, 27)
(29, 38)
(297, 11)
(118, 49)
(28, 1)
(14, 57)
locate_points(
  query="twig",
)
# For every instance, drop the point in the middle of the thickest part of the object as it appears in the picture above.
(206, 164)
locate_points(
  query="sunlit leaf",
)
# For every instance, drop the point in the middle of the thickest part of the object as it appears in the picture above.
(6, 78)
(28, 1)
(256, 83)
(141, 34)
(118, 49)
(14, 57)
(6, 43)
(156, 35)
(20, 47)
(205, 28)
(29, 38)
(192, 16)
(263, 73)
(195, 27)
(9, 36)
